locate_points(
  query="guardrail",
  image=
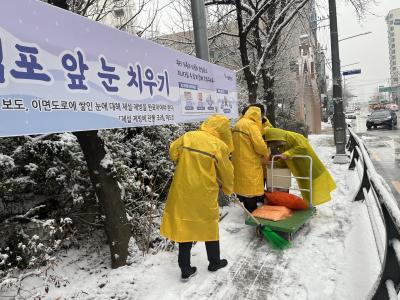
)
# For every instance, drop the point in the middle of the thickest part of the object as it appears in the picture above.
(376, 193)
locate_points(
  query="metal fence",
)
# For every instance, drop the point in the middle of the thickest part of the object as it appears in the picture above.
(376, 194)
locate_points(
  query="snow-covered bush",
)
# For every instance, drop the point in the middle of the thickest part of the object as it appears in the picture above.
(48, 170)
(26, 249)
(43, 182)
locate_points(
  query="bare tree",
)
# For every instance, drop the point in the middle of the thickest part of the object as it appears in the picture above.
(260, 24)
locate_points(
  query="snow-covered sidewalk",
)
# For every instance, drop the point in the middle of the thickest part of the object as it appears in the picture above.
(333, 257)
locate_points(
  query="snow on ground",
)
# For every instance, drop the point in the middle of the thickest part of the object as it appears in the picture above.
(326, 125)
(333, 257)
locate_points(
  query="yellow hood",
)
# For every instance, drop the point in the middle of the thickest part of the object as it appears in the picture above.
(254, 114)
(220, 127)
(275, 134)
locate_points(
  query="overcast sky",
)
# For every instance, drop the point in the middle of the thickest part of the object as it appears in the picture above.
(370, 51)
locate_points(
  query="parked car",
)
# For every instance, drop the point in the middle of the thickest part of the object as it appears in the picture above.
(325, 116)
(384, 117)
(350, 115)
(392, 106)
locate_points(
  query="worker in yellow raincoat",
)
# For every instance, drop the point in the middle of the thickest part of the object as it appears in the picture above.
(192, 212)
(290, 143)
(250, 150)
(264, 120)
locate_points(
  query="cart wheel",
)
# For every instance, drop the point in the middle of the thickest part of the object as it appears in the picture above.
(258, 232)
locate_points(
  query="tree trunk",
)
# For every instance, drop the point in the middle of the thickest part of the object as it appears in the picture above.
(106, 187)
(267, 76)
(268, 73)
(268, 94)
(250, 78)
(109, 197)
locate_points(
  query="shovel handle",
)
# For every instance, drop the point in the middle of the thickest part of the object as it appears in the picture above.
(237, 201)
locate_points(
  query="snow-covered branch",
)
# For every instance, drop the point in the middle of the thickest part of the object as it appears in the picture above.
(256, 17)
(277, 28)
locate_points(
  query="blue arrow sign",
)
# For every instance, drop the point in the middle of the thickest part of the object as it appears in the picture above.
(352, 72)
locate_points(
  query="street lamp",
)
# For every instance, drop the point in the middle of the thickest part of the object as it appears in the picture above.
(357, 63)
(353, 36)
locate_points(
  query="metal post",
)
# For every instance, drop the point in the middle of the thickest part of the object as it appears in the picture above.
(200, 29)
(339, 125)
(344, 92)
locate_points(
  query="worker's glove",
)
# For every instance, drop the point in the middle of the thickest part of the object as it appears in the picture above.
(282, 156)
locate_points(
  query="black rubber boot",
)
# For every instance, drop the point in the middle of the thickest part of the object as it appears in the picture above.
(213, 256)
(188, 275)
(215, 267)
(184, 261)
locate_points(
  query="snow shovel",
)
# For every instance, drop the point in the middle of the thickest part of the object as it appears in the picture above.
(269, 235)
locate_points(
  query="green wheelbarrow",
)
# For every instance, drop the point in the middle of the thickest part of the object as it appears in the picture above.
(288, 227)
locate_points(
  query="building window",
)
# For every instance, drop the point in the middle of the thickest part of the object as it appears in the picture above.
(119, 12)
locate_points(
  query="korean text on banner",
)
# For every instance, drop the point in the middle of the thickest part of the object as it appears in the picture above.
(63, 72)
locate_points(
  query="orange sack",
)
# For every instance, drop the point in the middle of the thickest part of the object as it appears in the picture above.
(273, 213)
(285, 199)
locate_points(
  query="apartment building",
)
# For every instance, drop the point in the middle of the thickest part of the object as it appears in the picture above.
(300, 71)
(393, 23)
(120, 14)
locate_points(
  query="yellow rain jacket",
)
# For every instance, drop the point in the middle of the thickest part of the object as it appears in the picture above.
(267, 124)
(203, 166)
(249, 148)
(296, 144)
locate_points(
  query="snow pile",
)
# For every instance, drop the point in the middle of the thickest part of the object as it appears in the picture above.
(333, 257)
(107, 161)
(134, 252)
(6, 161)
(326, 125)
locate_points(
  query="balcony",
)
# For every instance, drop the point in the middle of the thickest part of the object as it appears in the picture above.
(119, 12)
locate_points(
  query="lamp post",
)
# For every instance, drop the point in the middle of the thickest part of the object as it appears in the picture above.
(353, 36)
(200, 29)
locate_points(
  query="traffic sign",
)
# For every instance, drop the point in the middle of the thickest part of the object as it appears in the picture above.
(388, 89)
(351, 72)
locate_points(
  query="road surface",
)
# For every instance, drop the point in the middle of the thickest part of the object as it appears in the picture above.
(384, 147)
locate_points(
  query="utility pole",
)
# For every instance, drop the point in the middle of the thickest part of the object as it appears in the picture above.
(201, 42)
(200, 29)
(344, 92)
(339, 123)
